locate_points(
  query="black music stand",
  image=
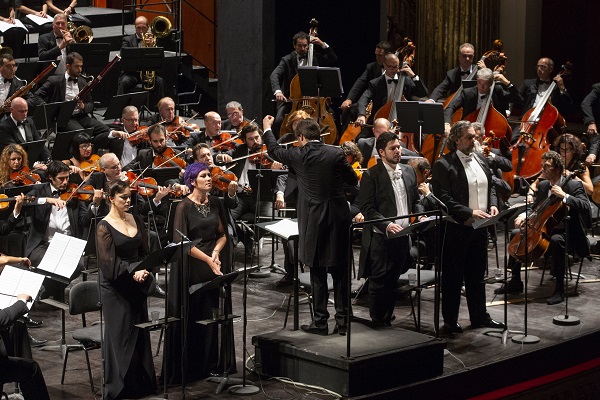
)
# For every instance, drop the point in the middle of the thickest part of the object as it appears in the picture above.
(162, 175)
(119, 102)
(135, 59)
(62, 143)
(95, 55)
(33, 150)
(320, 82)
(53, 115)
(421, 117)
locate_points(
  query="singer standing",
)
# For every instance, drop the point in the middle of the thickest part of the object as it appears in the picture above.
(463, 182)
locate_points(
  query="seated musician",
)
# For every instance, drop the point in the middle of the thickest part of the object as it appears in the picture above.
(235, 117)
(572, 194)
(251, 136)
(66, 87)
(81, 151)
(386, 87)
(53, 45)
(367, 145)
(39, 8)
(373, 70)
(13, 168)
(53, 215)
(67, 7)
(282, 75)
(130, 79)
(473, 98)
(590, 106)
(130, 123)
(15, 36)
(18, 128)
(534, 89)
(177, 134)
(9, 82)
(211, 133)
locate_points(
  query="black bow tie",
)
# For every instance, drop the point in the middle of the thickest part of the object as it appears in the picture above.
(465, 72)
(55, 193)
(546, 82)
(303, 57)
(7, 80)
(482, 96)
(19, 123)
(392, 80)
(71, 79)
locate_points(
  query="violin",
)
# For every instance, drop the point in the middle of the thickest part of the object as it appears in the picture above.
(222, 178)
(262, 158)
(24, 177)
(176, 129)
(168, 159)
(147, 187)
(223, 142)
(91, 164)
(85, 193)
(5, 200)
(139, 136)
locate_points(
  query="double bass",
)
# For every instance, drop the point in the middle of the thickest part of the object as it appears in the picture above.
(316, 107)
(540, 125)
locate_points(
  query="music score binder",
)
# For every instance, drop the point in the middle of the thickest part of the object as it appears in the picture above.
(62, 257)
(15, 281)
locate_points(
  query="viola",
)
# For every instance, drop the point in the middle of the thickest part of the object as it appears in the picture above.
(168, 159)
(223, 142)
(24, 177)
(91, 164)
(5, 200)
(222, 178)
(147, 187)
(74, 191)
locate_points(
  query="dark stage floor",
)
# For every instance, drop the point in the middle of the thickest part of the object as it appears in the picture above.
(266, 310)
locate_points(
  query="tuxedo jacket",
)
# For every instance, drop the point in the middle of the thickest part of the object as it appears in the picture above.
(323, 211)
(529, 91)
(9, 315)
(282, 75)
(366, 145)
(450, 185)
(14, 86)
(468, 101)
(450, 84)
(591, 106)
(227, 126)
(48, 48)
(41, 216)
(9, 133)
(377, 91)
(55, 88)
(372, 71)
(579, 211)
(376, 199)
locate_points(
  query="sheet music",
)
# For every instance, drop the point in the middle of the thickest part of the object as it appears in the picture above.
(4, 26)
(63, 255)
(285, 228)
(39, 20)
(14, 281)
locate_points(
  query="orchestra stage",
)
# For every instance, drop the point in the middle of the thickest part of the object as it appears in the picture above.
(565, 362)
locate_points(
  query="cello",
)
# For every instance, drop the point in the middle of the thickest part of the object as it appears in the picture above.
(540, 125)
(316, 107)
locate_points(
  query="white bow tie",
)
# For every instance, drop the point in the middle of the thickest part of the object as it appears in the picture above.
(396, 175)
(466, 158)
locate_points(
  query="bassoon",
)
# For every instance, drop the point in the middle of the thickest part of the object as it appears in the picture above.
(25, 89)
(93, 83)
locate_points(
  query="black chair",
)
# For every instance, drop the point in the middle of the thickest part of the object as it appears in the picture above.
(84, 298)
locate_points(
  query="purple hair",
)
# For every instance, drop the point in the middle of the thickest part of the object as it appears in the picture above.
(191, 173)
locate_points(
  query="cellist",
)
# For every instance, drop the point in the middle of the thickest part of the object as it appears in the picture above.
(572, 194)
(282, 75)
(386, 87)
(455, 76)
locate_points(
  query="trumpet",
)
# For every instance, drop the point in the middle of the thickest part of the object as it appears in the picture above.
(160, 27)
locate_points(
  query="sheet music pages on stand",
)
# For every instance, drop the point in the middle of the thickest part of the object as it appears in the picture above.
(39, 21)
(14, 281)
(62, 256)
(4, 26)
(285, 228)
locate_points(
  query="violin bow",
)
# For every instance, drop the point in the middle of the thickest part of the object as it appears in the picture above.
(166, 161)
(225, 141)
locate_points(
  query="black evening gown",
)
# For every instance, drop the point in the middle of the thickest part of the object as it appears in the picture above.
(201, 349)
(129, 365)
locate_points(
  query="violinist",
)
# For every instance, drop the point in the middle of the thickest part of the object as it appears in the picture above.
(203, 154)
(387, 86)
(12, 161)
(81, 150)
(293, 119)
(52, 215)
(177, 131)
(235, 117)
(210, 135)
(534, 89)
(19, 128)
(572, 194)
(130, 123)
(282, 75)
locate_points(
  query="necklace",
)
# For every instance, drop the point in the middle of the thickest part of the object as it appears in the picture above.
(203, 209)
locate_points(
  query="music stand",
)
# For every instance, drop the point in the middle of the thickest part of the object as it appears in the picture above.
(119, 102)
(95, 55)
(320, 82)
(33, 150)
(62, 143)
(136, 59)
(421, 117)
(53, 115)
(162, 175)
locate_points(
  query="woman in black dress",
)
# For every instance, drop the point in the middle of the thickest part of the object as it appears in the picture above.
(121, 244)
(198, 216)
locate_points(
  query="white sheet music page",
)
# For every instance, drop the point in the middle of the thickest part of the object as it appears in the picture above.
(14, 281)
(63, 255)
(285, 228)
(4, 26)
(39, 20)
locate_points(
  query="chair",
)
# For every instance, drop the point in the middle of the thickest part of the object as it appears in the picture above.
(304, 282)
(426, 278)
(189, 94)
(83, 298)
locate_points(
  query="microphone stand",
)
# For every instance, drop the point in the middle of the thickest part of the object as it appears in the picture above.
(260, 273)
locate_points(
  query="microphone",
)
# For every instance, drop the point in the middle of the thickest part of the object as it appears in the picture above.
(521, 179)
(438, 201)
(246, 226)
(182, 235)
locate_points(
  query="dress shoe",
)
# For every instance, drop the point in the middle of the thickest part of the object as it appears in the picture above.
(317, 330)
(35, 342)
(340, 329)
(285, 281)
(556, 298)
(452, 328)
(31, 323)
(158, 292)
(487, 322)
(512, 287)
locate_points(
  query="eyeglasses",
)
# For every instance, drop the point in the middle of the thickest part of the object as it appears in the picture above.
(84, 146)
(131, 119)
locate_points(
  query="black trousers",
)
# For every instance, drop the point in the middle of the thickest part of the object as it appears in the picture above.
(27, 373)
(320, 293)
(464, 259)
